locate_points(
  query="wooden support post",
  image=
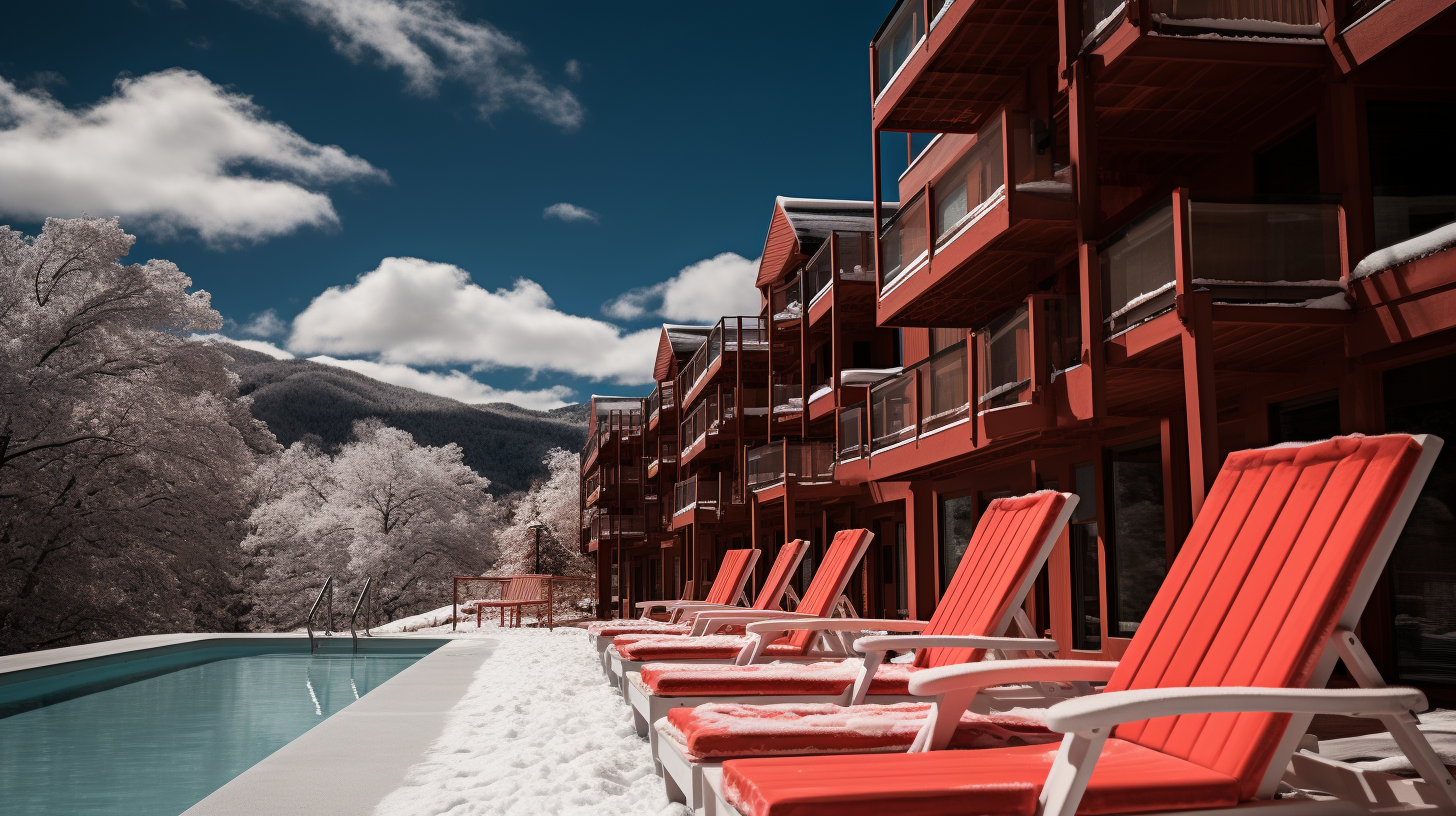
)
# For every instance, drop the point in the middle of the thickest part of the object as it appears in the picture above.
(919, 550)
(1082, 120)
(1195, 309)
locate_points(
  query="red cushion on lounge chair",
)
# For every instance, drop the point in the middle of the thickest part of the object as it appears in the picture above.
(996, 782)
(726, 730)
(638, 627)
(707, 647)
(825, 679)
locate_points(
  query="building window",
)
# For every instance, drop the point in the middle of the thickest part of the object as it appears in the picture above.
(1422, 399)
(957, 525)
(1139, 533)
(1412, 193)
(1307, 419)
(1086, 566)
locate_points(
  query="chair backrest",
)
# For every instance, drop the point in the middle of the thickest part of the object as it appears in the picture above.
(689, 587)
(522, 588)
(1286, 541)
(733, 574)
(829, 581)
(1005, 554)
(772, 591)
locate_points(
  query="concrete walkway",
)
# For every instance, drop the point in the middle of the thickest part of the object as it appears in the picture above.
(349, 762)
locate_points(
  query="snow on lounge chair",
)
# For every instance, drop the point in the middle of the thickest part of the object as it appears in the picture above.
(726, 591)
(1208, 704)
(820, 599)
(819, 709)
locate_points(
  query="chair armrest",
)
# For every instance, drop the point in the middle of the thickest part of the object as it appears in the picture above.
(654, 604)
(990, 674)
(884, 643)
(710, 620)
(1112, 708)
(779, 624)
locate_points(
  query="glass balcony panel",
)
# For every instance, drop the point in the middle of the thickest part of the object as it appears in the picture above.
(897, 43)
(1005, 360)
(1265, 252)
(810, 463)
(892, 411)
(975, 178)
(787, 301)
(1239, 17)
(944, 394)
(1137, 270)
(856, 262)
(903, 240)
(851, 433)
(818, 273)
(765, 465)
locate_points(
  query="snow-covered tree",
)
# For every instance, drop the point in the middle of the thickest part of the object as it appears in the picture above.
(122, 445)
(410, 516)
(556, 503)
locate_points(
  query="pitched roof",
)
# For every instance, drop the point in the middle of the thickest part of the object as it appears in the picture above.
(800, 225)
(676, 341)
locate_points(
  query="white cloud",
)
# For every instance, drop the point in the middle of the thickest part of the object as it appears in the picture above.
(265, 324)
(703, 292)
(171, 151)
(573, 70)
(421, 313)
(455, 385)
(430, 42)
(253, 345)
(570, 212)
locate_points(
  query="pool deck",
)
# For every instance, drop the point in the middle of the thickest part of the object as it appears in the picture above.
(352, 760)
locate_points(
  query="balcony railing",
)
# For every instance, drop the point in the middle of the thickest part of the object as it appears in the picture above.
(593, 482)
(1268, 252)
(851, 433)
(1231, 18)
(694, 427)
(1005, 364)
(788, 398)
(806, 463)
(787, 301)
(902, 241)
(898, 37)
(654, 404)
(851, 253)
(929, 396)
(607, 526)
(728, 335)
(694, 493)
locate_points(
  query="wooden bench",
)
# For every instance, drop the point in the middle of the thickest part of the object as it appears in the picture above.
(519, 591)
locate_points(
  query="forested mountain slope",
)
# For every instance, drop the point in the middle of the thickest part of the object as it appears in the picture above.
(503, 442)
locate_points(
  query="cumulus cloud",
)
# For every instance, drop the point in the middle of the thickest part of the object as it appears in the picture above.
(703, 292)
(455, 385)
(570, 212)
(170, 151)
(264, 324)
(430, 42)
(253, 345)
(420, 313)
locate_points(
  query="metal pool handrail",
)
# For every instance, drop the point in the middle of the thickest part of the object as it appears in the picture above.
(329, 588)
(363, 593)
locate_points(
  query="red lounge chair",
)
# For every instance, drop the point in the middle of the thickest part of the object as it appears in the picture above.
(1207, 706)
(518, 592)
(726, 591)
(818, 709)
(820, 599)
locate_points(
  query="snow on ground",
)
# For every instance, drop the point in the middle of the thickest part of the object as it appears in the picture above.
(1378, 752)
(538, 732)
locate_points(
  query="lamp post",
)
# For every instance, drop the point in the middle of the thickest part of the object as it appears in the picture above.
(538, 527)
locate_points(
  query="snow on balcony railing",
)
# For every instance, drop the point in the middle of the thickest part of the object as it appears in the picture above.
(899, 35)
(1268, 251)
(902, 242)
(787, 301)
(788, 398)
(1236, 18)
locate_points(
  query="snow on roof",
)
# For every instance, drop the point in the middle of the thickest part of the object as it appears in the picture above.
(686, 338)
(814, 218)
(602, 405)
(1437, 240)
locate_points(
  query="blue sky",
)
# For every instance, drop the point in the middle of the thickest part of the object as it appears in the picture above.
(438, 135)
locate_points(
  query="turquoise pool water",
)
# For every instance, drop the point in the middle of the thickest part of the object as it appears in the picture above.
(160, 735)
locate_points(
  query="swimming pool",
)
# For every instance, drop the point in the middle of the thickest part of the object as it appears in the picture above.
(152, 735)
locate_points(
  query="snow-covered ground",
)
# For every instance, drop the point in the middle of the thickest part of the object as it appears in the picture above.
(1378, 752)
(538, 732)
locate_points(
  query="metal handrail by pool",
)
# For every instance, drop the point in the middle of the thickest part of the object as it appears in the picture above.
(329, 588)
(363, 593)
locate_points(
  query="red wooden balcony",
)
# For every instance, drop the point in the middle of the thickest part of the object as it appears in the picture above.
(806, 463)
(1179, 81)
(731, 340)
(660, 403)
(715, 414)
(704, 499)
(951, 77)
(962, 248)
(1273, 272)
(843, 272)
